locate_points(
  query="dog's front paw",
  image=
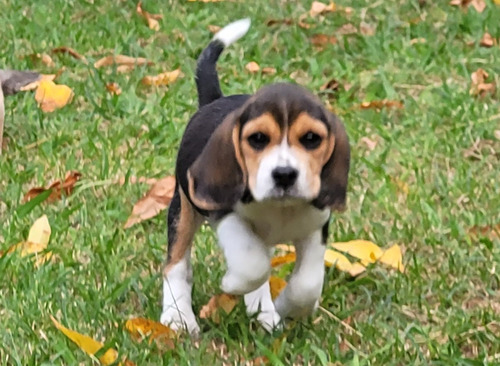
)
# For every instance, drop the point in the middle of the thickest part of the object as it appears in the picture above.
(270, 320)
(180, 321)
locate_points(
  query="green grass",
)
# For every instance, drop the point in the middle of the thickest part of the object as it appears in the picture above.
(444, 310)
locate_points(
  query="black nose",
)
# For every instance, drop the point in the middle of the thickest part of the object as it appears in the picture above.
(284, 177)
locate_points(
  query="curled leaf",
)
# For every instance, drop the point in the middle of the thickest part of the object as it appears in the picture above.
(276, 284)
(69, 51)
(479, 86)
(156, 199)
(164, 78)
(113, 88)
(152, 19)
(212, 309)
(141, 328)
(393, 258)
(333, 258)
(487, 40)
(122, 60)
(283, 259)
(57, 188)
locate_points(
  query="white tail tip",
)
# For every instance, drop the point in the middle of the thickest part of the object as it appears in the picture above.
(233, 31)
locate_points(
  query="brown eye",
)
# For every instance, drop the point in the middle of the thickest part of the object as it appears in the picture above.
(310, 140)
(258, 140)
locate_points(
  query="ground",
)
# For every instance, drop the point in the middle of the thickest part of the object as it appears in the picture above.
(430, 178)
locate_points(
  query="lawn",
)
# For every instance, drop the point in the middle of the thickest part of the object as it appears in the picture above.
(424, 176)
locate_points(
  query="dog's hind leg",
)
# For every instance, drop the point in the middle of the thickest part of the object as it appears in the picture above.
(183, 222)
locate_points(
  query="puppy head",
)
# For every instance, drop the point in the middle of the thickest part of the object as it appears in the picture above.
(281, 145)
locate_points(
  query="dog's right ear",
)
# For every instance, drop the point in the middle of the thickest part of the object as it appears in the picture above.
(217, 179)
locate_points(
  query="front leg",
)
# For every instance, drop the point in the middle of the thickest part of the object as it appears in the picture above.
(260, 301)
(301, 296)
(248, 258)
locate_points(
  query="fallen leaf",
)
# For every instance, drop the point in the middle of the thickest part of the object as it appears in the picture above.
(260, 361)
(370, 144)
(366, 29)
(479, 85)
(141, 328)
(69, 51)
(213, 28)
(489, 231)
(497, 132)
(50, 96)
(212, 309)
(122, 60)
(487, 40)
(57, 188)
(318, 8)
(497, 2)
(347, 29)
(164, 78)
(152, 19)
(302, 24)
(156, 199)
(418, 40)
(268, 70)
(365, 250)
(331, 84)
(272, 22)
(320, 40)
(479, 5)
(379, 104)
(43, 58)
(252, 67)
(276, 284)
(283, 259)
(393, 258)
(340, 261)
(87, 344)
(113, 88)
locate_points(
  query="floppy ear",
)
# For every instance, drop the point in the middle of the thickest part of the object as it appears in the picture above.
(335, 172)
(217, 178)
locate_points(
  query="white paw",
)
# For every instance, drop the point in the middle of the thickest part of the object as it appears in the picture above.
(179, 321)
(270, 320)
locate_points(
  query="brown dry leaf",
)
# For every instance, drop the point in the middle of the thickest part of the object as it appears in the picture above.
(212, 309)
(57, 188)
(364, 250)
(141, 328)
(340, 261)
(283, 259)
(43, 58)
(393, 258)
(370, 144)
(113, 88)
(487, 40)
(479, 86)
(152, 19)
(497, 132)
(302, 24)
(489, 231)
(331, 84)
(379, 104)
(366, 29)
(252, 67)
(479, 5)
(276, 284)
(214, 28)
(318, 8)
(35, 84)
(260, 361)
(268, 70)
(164, 78)
(272, 22)
(88, 345)
(347, 29)
(50, 96)
(320, 40)
(70, 51)
(122, 60)
(156, 199)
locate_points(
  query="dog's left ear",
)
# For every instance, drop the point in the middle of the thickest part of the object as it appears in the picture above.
(217, 178)
(334, 175)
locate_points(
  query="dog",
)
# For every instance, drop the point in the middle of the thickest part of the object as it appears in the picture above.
(261, 169)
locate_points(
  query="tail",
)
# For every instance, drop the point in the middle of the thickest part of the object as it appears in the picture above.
(207, 80)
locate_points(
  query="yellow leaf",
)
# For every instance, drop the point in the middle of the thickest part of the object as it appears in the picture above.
(393, 258)
(340, 261)
(276, 285)
(496, 2)
(40, 232)
(164, 78)
(51, 96)
(283, 259)
(141, 328)
(87, 344)
(365, 250)
(225, 302)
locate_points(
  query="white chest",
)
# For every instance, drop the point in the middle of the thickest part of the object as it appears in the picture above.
(280, 222)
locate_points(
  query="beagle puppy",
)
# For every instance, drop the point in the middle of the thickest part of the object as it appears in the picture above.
(263, 169)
